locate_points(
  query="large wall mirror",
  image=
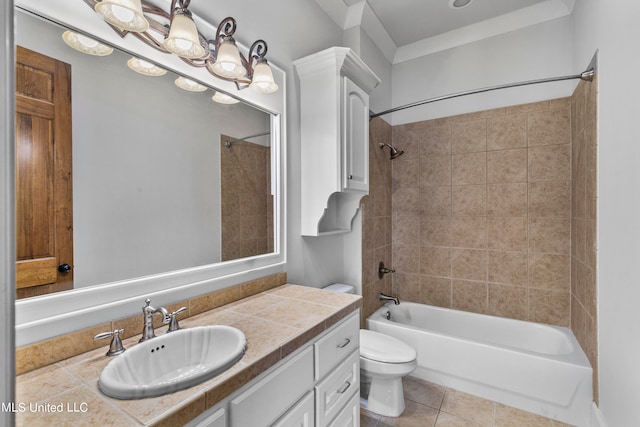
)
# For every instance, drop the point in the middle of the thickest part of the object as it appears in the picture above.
(173, 193)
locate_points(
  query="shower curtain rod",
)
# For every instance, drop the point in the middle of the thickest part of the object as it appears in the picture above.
(229, 143)
(585, 75)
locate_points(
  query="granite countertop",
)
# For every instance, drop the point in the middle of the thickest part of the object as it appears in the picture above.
(275, 322)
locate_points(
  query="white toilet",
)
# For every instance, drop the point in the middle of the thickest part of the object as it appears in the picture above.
(384, 360)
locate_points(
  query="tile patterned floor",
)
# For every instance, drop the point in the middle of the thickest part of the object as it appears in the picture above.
(431, 405)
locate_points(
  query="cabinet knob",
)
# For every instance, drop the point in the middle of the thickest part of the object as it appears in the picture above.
(350, 176)
(64, 268)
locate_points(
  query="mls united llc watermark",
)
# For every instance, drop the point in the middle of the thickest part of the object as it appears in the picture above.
(21, 407)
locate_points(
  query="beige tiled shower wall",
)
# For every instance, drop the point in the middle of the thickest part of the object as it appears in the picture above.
(376, 218)
(247, 204)
(583, 221)
(481, 212)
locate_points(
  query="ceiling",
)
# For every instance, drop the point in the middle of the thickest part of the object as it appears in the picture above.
(406, 29)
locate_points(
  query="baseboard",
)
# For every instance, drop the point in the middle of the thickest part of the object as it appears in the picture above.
(597, 418)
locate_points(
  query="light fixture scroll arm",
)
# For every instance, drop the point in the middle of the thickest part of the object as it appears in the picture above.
(226, 28)
(257, 53)
(172, 9)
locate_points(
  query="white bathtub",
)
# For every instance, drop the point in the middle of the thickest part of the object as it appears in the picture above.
(535, 367)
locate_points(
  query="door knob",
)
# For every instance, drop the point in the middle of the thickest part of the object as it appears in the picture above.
(64, 268)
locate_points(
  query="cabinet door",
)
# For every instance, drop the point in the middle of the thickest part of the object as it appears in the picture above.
(265, 401)
(355, 137)
(350, 415)
(217, 419)
(301, 415)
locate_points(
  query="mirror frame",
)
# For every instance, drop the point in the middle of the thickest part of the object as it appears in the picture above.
(47, 316)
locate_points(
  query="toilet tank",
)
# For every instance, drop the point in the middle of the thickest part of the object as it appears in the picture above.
(340, 287)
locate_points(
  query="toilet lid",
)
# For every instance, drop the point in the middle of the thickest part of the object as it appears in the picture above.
(384, 348)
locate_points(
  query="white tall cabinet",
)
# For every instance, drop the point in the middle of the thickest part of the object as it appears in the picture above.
(334, 111)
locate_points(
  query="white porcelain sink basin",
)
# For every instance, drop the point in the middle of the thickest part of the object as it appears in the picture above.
(172, 362)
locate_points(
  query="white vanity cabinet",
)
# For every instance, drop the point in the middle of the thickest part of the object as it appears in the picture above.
(334, 117)
(316, 386)
(301, 415)
(274, 394)
(217, 419)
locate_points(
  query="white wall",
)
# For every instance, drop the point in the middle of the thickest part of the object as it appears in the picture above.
(539, 51)
(360, 42)
(612, 28)
(293, 29)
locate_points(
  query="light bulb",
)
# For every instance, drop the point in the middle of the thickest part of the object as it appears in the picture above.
(86, 41)
(123, 14)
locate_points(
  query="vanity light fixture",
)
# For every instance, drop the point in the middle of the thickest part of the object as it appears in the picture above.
(176, 32)
(263, 78)
(146, 68)
(228, 62)
(124, 14)
(183, 38)
(86, 44)
(223, 98)
(190, 85)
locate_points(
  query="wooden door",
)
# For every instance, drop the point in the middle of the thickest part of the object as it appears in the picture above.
(44, 217)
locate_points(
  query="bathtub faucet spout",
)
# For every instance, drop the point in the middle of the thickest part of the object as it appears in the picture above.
(383, 297)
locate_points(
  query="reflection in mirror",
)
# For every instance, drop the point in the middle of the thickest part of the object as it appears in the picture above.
(152, 190)
(247, 205)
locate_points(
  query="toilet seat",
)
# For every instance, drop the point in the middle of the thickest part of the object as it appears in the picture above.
(383, 348)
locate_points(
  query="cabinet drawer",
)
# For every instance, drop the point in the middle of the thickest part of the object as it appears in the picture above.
(301, 415)
(336, 345)
(350, 414)
(336, 390)
(270, 397)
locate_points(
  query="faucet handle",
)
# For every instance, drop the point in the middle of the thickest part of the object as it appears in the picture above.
(115, 347)
(173, 323)
(382, 270)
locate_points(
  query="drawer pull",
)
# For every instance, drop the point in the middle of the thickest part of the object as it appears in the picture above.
(344, 387)
(344, 344)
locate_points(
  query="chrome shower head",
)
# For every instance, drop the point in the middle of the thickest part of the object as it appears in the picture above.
(394, 152)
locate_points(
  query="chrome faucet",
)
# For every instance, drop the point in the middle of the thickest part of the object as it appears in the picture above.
(116, 346)
(383, 297)
(173, 323)
(148, 312)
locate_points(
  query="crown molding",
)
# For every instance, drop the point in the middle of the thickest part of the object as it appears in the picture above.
(516, 20)
(362, 15)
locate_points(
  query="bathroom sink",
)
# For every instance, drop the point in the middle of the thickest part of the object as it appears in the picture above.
(172, 362)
